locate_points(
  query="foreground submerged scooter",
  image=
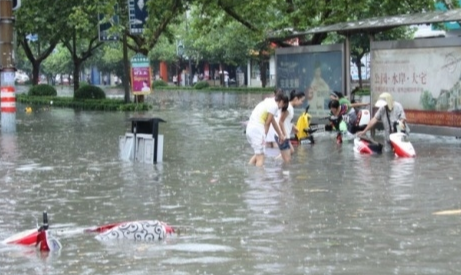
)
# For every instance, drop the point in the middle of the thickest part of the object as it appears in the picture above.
(40, 238)
(43, 238)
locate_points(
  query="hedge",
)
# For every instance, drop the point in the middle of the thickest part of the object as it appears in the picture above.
(84, 104)
(89, 92)
(42, 90)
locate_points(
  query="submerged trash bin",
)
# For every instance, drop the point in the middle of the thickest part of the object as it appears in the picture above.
(143, 144)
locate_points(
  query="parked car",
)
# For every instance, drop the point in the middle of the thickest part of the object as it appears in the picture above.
(21, 77)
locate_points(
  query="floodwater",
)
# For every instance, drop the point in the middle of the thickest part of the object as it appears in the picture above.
(328, 212)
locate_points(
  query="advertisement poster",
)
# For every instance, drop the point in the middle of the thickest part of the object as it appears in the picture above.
(141, 79)
(315, 73)
(137, 12)
(426, 81)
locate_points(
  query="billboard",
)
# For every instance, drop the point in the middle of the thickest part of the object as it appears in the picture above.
(316, 70)
(105, 33)
(137, 13)
(141, 75)
(423, 75)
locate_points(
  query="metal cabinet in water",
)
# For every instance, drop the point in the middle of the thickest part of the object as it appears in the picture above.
(144, 143)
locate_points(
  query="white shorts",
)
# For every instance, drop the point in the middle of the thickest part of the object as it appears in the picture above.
(256, 137)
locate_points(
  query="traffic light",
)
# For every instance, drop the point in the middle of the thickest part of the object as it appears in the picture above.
(16, 4)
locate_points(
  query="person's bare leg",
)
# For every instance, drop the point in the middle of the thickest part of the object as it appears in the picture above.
(292, 150)
(286, 155)
(252, 160)
(259, 160)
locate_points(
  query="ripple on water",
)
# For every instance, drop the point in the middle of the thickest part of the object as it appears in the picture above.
(198, 260)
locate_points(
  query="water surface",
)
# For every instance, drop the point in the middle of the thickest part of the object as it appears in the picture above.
(328, 212)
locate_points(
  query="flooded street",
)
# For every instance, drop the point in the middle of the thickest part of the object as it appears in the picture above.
(330, 211)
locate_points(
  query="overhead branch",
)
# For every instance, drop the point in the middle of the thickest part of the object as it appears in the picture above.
(164, 24)
(237, 17)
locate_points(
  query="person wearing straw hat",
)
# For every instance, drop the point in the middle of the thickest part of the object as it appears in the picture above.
(391, 114)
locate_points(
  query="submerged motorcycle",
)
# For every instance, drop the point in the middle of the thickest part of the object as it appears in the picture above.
(43, 238)
(345, 134)
(400, 142)
(306, 128)
(39, 237)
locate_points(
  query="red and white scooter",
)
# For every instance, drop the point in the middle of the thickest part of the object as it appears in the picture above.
(399, 140)
(40, 238)
(43, 238)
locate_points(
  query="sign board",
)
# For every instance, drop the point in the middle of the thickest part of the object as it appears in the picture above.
(316, 70)
(105, 32)
(16, 4)
(137, 14)
(423, 75)
(141, 75)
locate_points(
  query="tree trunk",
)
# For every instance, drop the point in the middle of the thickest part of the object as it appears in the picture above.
(359, 71)
(358, 63)
(262, 70)
(76, 74)
(221, 74)
(126, 66)
(35, 72)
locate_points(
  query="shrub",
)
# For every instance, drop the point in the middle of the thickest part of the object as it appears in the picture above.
(201, 85)
(89, 92)
(159, 83)
(42, 90)
(83, 83)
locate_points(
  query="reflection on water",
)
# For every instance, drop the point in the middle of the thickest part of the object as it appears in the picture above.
(330, 211)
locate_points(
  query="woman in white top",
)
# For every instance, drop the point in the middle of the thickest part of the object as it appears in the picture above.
(258, 126)
(270, 136)
(286, 116)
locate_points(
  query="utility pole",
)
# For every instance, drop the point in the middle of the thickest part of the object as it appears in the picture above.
(7, 69)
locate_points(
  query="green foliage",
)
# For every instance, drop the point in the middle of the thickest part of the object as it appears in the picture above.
(90, 104)
(201, 85)
(89, 92)
(164, 50)
(42, 90)
(219, 89)
(84, 83)
(159, 83)
(59, 62)
(222, 41)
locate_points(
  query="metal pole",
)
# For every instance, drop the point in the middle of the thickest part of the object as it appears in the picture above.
(7, 70)
(347, 71)
(188, 57)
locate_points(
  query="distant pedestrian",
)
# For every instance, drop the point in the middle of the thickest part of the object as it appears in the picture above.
(226, 80)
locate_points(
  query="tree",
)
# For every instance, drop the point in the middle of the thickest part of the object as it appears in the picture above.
(46, 24)
(57, 63)
(278, 21)
(360, 41)
(82, 37)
